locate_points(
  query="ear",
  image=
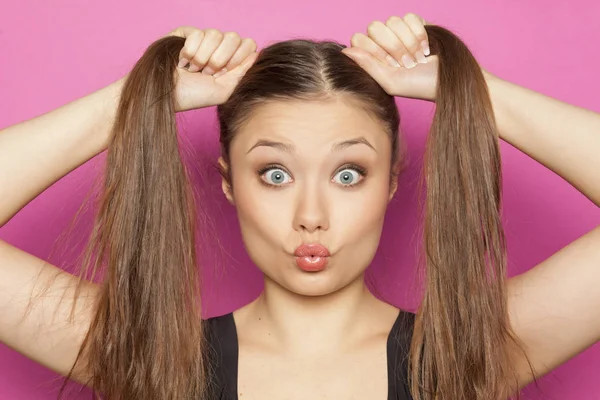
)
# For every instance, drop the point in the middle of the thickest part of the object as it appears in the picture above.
(225, 184)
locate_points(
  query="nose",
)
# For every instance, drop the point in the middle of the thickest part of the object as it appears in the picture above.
(311, 212)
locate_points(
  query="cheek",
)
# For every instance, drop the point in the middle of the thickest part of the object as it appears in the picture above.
(358, 222)
(263, 213)
(361, 212)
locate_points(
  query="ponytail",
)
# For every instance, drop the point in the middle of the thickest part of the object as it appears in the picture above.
(462, 332)
(146, 339)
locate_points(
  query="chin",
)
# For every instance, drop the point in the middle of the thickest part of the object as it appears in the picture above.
(308, 291)
(312, 284)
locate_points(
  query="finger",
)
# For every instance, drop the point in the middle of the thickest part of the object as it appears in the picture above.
(223, 53)
(183, 31)
(190, 47)
(247, 47)
(417, 26)
(391, 43)
(374, 67)
(237, 72)
(407, 37)
(212, 39)
(364, 42)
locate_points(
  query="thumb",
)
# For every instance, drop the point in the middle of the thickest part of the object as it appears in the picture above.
(238, 72)
(367, 61)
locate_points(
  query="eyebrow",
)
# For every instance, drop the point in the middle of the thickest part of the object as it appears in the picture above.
(351, 142)
(289, 148)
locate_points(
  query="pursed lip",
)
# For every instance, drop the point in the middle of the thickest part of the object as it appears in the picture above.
(311, 250)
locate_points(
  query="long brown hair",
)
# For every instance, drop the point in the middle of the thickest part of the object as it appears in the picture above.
(147, 341)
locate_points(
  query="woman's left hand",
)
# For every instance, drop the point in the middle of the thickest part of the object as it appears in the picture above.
(394, 54)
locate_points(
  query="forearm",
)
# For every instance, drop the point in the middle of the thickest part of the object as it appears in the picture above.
(36, 153)
(562, 137)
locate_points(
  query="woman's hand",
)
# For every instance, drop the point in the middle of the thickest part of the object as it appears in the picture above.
(211, 65)
(394, 54)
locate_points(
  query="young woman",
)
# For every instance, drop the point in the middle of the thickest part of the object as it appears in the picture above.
(311, 153)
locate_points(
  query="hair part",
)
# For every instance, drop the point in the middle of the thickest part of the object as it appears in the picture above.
(304, 70)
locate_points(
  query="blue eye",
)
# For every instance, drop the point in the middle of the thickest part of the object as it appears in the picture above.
(276, 176)
(348, 177)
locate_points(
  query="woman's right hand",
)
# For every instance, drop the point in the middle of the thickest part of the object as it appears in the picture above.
(211, 65)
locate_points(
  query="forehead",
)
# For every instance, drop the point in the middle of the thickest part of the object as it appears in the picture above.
(312, 122)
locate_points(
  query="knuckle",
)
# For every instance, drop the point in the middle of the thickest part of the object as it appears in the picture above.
(217, 63)
(412, 17)
(231, 36)
(380, 54)
(393, 20)
(250, 43)
(200, 59)
(196, 33)
(214, 33)
(374, 26)
(411, 44)
(179, 31)
(413, 47)
(398, 48)
(187, 51)
(356, 39)
(416, 23)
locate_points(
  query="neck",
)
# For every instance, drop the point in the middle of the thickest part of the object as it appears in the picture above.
(312, 323)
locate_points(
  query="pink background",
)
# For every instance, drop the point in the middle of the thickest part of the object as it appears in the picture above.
(54, 52)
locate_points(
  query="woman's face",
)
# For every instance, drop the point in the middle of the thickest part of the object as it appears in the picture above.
(311, 173)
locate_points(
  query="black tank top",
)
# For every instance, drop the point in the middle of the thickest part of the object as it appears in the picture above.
(223, 356)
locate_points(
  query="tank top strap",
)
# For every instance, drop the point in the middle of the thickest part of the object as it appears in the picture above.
(398, 348)
(222, 346)
(221, 336)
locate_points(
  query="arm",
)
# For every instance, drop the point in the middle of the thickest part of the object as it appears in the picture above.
(554, 306)
(40, 151)
(37, 153)
(562, 137)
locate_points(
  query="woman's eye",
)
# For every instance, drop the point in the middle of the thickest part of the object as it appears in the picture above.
(347, 177)
(276, 176)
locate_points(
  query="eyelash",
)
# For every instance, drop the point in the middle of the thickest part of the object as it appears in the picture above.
(361, 171)
(266, 169)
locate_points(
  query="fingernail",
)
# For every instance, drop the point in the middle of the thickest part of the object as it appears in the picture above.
(182, 63)
(392, 61)
(208, 71)
(193, 68)
(425, 47)
(408, 61)
(221, 72)
(420, 57)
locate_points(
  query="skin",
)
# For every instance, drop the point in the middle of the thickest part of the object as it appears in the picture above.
(330, 320)
(303, 319)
